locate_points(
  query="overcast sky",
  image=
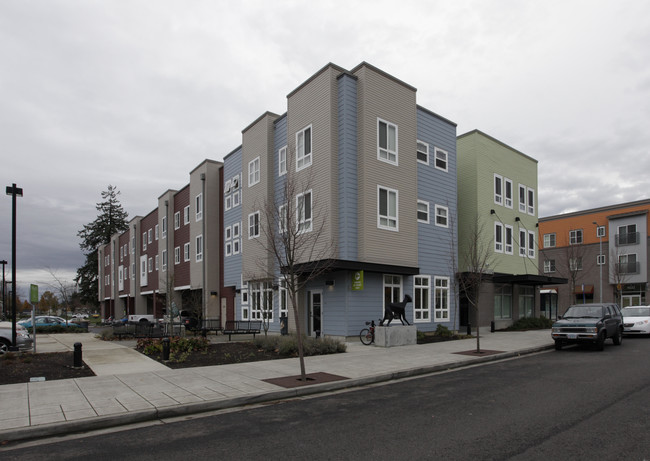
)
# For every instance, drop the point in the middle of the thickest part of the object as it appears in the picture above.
(137, 93)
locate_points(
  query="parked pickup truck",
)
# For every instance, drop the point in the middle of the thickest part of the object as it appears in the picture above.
(137, 318)
(589, 323)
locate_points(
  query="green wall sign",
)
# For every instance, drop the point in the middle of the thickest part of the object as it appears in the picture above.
(357, 281)
(33, 294)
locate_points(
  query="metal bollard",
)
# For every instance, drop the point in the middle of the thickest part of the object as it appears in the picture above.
(165, 344)
(78, 363)
(492, 326)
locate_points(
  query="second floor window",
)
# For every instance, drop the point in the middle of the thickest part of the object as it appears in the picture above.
(508, 192)
(304, 212)
(522, 198)
(386, 141)
(575, 237)
(575, 264)
(282, 161)
(387, 209)
(303, 148)
(423, 152)
(498, 237)
(254, 225)
(508, 240)
(498, 189)
(627, 235)
(177, 220)
(253, 172)
(549, 240)
(423, 211)
(549, 265)
(442, 216)
(441, 159)
(199, 207)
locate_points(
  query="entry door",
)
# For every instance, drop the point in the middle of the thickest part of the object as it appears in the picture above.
(315, 312)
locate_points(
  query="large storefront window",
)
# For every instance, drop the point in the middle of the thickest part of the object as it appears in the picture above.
(442, 299)
(503, 302)
(421, 304)
(526, 302)
(392, 289)
(261, 301)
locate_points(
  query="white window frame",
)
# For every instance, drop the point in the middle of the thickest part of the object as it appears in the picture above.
(254, 227)
(441, 299)
(421, 298)
(523, 194)
(254, 172)
(438, 155)
(425, 205)
(508, 239)
(244, 300)
(507, 196)
(227, 187)
(498, 237)
(177, 255)
(235, 199)
(442, 213)
(164, 260)
(177, 220)
(531, 201)
(549, 266)
(235, 182)
(531, 244)
(282, 219)
(422, 150)
(143, 271)
(388, 154)
(157, 260)
(198, 203)
(150, 264)
(547, 240)
(523, 238)
(186, 251)
(157, 231)
(282, 161)
(304, 152)
(199, 248)
(388, 221)
(498, 192)
(164, 227)
(573, 237)
(228, 202)
(186, 215)
(575, 264)
(144, 241)
(304, 223)
(600, 260)
(235, 230)
(261, 293)
(600, 231)
(283, 298)
(149, 239)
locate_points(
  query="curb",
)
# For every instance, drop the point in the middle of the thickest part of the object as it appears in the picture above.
(104, 422)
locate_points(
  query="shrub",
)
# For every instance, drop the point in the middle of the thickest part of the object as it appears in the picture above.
(288, 345)
(179, 348)
(531, 323)
(443, 331)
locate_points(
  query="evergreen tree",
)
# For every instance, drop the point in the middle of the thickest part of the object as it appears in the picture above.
(112, 219)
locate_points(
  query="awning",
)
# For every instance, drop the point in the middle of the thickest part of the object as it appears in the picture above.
(528, 279)
(332, 265)
(548, 291)
(584, 289)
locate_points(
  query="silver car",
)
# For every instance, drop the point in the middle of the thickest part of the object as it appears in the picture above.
(23, 340)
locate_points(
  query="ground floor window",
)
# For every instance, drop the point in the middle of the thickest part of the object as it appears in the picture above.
(421, 298)
(283, 298)
(503, 302)
(392, 289)
(261, 301)
(526, 302)
(442, 299)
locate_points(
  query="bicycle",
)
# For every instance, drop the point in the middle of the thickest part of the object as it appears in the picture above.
(367, 335)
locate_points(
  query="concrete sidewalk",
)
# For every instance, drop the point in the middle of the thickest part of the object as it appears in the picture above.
(130, 387)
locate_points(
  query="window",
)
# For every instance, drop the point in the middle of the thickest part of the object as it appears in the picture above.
(235, 239)
(133, 244)
(441, 299)
(261, 294)
(423, 152)
(143, 271)
(228, 246)
(522, 198)
(235, 182)
(442, 216)
(121, 254)
(228, 202)
(421, 298)
(227, 187)
(531, 201)
(282, 161)
(177, 220)
(186, 215)
(150, 265)
(228, 240)
(235, 246)
(133, 271)
(549, 265)
(283, 298)
(627, 235)
(423, 211)
(120, 278)
(303, 148)
(198, 204)
(149, 236)
(157, 231)
(254, 225)
(392, 289)
(627, 264)
(600, 260)
(387, 209)
(441, 159)
(186, 252)
(498, 189)
(600, 231)
(282, 219)
(508, 192)
(199, 248)
(575, 237)
(522, 242)
(531, 244)
(144, 241)
(549, 240)
(177, 255)
(235, 230)
(244, 301)
(164, 260)
(157, 262)
(253, 172)
(508, 236)
(126, 272)
(387, 142)
(304, 212)
(164, 227)
(498, 237)
(575, 264)
(235, 199)
(526, 302)
(503, 302)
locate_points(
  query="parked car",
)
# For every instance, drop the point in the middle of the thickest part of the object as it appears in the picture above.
(23, 340)
(589, 323)
(637, 320)
(47, 321)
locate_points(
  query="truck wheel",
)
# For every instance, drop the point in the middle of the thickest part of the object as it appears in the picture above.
(600, 342)
(558, 345)
(618, 338)
(4, 346)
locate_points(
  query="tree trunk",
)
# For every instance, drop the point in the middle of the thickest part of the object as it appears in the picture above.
(478, 339)
(301, 353)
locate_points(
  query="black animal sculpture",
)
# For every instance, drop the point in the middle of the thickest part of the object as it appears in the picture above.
(396, 311)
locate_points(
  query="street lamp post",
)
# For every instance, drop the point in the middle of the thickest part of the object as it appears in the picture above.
(14, 192)
(600, 262)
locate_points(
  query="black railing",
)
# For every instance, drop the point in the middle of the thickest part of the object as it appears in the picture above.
(629, 238)
(628, 268)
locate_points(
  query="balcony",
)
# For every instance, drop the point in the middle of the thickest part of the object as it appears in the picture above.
(630, 238)
(628, 268)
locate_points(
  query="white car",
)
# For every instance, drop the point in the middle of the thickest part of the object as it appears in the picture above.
(23, 340)
(636, 320)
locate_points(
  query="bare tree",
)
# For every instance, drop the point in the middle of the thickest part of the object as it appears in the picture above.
(477, 253)
(64, 290)
(453, 265)
(620, 267)
(294, 242)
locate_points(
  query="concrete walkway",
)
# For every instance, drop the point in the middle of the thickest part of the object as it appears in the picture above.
(130, 387)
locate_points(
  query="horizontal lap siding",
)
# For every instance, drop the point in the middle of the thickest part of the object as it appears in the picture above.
(348, 194)
(181, 236)
(149, 222)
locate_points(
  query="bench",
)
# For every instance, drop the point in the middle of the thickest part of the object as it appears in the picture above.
(137, 330)
(204, 326)
(242, 327)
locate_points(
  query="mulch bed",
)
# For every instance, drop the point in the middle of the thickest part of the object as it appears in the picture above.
(312, 378)
(482, 353)
(21, 367)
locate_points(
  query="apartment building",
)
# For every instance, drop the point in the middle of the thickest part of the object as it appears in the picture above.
(603, 252)
(497, 219)
(373, 175)
(163, 261)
